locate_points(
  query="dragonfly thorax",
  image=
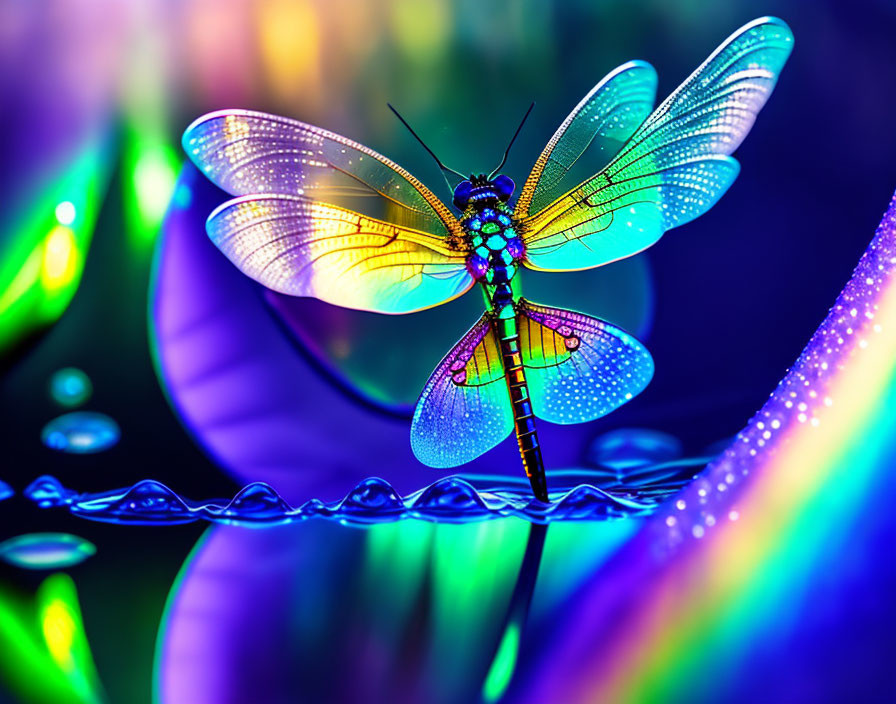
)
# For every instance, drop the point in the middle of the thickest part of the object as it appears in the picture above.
(495, 247)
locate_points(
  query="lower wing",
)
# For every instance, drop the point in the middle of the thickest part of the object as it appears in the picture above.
(464, 409)
(304, 248)
(578, 368)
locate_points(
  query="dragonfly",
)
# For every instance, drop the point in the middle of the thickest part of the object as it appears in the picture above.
(521, 361)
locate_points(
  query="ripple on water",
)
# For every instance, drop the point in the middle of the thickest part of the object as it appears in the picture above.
(46, 551)
(81, 432)
(576, 495)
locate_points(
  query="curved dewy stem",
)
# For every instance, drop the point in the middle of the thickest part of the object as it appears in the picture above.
(523, 417)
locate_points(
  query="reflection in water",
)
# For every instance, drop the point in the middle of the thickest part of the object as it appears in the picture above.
(81, 432)
(393, 614)
(500, 673)
(46, 551)
(576, 495)
(70, 387)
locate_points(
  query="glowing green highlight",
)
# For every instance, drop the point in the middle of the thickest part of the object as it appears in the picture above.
(501, 671)
(42, 262)
(151, 166)
(47, 658)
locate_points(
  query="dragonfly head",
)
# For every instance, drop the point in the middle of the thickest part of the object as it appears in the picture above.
(481, 189)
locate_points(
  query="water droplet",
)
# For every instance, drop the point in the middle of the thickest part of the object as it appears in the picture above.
(451, 496)
(633, 447)
(70, 387)
(47, 491)
(151, 496)
(258, 501)
(372, 496)
(595, 503)
(81, 432)
(46, 551)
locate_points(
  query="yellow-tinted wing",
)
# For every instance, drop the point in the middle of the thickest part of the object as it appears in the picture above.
(302, 248)
(605, 118)
(464, 409)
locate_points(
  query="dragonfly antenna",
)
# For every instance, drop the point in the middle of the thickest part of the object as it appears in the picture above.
(512, 140)
(444, 168)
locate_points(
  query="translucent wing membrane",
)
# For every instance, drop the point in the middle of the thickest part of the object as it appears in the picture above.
(674, 167)
(247, 153)
(464, 409)
(303, 248)
(578, 368)
(609, 114)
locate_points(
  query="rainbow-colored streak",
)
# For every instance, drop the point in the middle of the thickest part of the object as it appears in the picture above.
(724, 570)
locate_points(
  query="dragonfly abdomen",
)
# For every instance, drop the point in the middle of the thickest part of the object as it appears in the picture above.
(523, 417)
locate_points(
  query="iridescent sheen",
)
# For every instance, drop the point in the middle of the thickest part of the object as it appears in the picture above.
(464, 409)
(674, 167)
(248, 153)
(304, 248)
(579, 368)
(520, 360)
(606, 117)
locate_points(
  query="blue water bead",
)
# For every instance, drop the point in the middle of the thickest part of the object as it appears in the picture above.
(70, 387)
(81, 432)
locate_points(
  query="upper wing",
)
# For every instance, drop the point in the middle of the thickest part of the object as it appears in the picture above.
(302, 248)
(610, 113)
(675, 166)
(464, 409)
(247, 152)
(578, 368)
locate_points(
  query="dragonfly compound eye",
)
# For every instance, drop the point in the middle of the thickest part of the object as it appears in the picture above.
(462, 194)
(503, 186)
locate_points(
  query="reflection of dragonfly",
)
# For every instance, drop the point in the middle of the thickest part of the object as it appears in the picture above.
(520, 360)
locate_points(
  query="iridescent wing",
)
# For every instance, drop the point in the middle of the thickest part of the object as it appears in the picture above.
(464, 409)
(608, 115)
(303, 248)
(248, 153)
(674, 167)
(578, 368)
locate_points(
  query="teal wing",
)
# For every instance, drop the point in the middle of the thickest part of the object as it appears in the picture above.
(675, 166)
(606, 117)
(464, 409)
(578, 368)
